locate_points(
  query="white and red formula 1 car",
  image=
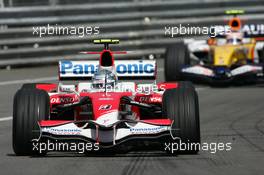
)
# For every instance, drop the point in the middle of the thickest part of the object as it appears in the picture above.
(103, 111)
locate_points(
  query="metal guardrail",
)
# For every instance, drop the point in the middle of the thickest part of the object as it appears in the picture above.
(139, 25)
(68, 45)
(73, 19)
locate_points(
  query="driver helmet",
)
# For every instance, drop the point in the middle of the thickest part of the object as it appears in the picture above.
(104, 79)
(234, 38)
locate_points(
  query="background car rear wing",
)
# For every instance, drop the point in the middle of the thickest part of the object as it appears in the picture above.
(125, 69)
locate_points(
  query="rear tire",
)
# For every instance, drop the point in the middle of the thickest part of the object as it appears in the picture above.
(181, 106)
(261, 59)
(30, 106)
(175, 58)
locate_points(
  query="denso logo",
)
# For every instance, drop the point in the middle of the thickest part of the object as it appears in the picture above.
(63, 100)
(130, 67)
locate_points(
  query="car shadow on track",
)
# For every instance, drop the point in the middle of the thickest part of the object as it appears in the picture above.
(108, 155)
(71, 154)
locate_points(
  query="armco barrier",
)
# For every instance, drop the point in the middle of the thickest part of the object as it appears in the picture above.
(138, 24)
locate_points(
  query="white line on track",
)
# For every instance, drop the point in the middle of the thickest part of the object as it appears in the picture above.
(6, 118)
(27, 81)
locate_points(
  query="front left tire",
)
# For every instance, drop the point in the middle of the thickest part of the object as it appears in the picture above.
(30, 106)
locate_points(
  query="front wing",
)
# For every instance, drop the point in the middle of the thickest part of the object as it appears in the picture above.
(218, 74)
(110, 136)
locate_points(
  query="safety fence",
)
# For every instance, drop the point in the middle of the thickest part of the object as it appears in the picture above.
(33, 35)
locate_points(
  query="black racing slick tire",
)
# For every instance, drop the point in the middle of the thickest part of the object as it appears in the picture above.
(176, 57)
(261, 59)
(29, 86)
(30, 106)
(182, 107)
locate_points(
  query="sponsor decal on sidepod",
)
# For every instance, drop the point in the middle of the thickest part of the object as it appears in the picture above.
(63, 100)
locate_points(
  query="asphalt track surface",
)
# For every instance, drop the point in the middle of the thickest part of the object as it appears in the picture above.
(233, 114)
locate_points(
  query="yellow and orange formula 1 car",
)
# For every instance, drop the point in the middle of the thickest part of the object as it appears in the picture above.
(230, 56)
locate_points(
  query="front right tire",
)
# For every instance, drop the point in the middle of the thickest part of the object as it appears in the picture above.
(181, 106)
